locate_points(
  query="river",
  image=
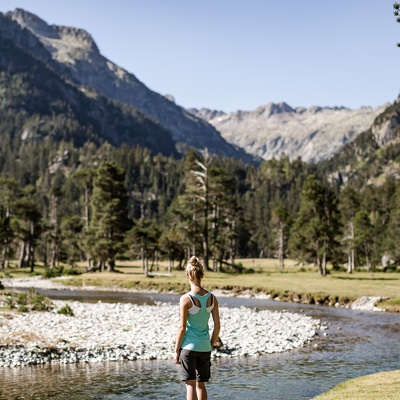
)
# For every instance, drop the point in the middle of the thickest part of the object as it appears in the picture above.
(356, 343)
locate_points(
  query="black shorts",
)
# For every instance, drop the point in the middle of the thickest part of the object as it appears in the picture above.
(195, 365)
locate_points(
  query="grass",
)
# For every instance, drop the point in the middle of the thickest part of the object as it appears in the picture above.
(302, 284)
(24, 301)
(383, 385)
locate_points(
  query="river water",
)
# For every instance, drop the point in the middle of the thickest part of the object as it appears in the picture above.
(356, 343)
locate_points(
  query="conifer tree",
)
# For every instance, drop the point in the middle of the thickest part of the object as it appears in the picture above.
(348, 206)
(84, 180)
(9, 192)
(314, 230)
(109, 210)
(27, 226)
(363, 230)
(280, 224)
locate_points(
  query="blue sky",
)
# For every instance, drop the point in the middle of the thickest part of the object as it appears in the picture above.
(240, 54)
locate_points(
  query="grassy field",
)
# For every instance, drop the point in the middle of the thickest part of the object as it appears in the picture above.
(383, 385)
(296, 283)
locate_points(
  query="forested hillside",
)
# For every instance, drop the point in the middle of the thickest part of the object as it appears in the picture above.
(62, 203)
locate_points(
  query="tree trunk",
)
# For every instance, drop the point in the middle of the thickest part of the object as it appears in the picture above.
(169, 263)
(146, 266)
(142, 257)
(54, 244)
(280, 248)
(319, 265)
(22, 255)
(350, 267)
(32, 248)
(324, 263)
(3, 257)
(111, 266)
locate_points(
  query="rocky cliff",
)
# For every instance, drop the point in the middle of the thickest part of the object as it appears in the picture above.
(313, 134)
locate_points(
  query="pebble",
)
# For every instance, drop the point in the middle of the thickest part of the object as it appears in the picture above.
(99, 332)
(121, 331)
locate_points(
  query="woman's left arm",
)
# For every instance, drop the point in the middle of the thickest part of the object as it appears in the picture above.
(183, 311)
(217, 324)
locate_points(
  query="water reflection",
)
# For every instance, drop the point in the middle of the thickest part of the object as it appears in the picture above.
(357, 343)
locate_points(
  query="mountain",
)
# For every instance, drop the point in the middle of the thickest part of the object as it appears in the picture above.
(372, 156)
(73, 54)
(37, 104)
(313, 134)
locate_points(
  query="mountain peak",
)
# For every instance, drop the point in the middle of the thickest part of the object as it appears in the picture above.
(47, 33)
(274, 108)
(32, 22)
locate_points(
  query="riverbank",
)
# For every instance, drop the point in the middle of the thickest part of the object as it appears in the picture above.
(364, 303)
(117, 332)
(383, 385)
(260, 278)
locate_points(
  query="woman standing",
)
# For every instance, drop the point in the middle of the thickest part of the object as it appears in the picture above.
(193, 344)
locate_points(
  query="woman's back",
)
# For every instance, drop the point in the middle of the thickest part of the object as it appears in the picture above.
(197, 336)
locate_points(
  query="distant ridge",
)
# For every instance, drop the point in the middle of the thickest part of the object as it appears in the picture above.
(313, 134)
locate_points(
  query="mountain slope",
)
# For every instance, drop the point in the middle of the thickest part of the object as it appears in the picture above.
(73, 53)
(373, 156)
(313, 134)
(35, 103)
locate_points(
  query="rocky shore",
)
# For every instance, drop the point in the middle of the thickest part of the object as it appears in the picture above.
(120, 331)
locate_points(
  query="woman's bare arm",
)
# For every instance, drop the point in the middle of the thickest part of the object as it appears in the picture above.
(183, 312)
(217, 324)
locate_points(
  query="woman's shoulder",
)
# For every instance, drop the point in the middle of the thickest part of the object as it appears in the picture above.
(185, 298)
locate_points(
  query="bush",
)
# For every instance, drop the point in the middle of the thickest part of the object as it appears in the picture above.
(66, 310)
(59, 271)
(30, 301)
(53, 272)
(71, 271)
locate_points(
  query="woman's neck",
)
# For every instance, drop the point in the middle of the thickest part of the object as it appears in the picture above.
(196, 287)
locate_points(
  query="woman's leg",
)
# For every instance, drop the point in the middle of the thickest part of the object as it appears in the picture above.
(201, 391)
(191, 390)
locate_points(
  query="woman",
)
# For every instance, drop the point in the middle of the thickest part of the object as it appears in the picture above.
(193, 345)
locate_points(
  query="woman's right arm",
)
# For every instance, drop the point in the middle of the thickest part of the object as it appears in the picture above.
(217, 324)
(183, 312)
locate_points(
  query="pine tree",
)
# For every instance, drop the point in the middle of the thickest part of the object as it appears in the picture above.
(9, 192)
(363, 231)
(27, 226)
(349, 205)
(280, 224)
(314, 230)
(84, 179)
(109, 210)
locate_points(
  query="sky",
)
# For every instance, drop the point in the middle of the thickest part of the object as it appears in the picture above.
(233, 55)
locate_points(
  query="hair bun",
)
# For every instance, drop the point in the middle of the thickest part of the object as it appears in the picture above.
(194, 261)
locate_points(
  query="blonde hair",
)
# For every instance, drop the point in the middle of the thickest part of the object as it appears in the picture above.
(194, 269)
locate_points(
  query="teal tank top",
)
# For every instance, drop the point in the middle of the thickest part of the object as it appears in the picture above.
(197, 336)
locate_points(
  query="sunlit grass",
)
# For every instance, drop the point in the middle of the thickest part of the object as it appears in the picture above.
(293, 282)
(383, 385)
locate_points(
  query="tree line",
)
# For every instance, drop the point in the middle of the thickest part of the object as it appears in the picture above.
(62, 204)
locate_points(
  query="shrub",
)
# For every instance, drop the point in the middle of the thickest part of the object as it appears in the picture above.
(59, 271)
(53, 272)
(66, 310)
(71, 271)
(33, 301)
